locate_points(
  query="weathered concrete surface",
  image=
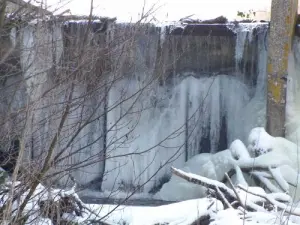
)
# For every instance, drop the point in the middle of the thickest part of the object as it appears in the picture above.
(282, 26)
(204, 30)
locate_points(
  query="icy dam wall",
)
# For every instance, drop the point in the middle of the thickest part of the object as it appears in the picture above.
(127, 102)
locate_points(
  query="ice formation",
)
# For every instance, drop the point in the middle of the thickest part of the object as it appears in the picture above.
(239, 150)
(209, 165)
(173, 123)
(159, 126)
(42, 49)
(266, 151)
(272, 151)
(164, 125)
(293, 94)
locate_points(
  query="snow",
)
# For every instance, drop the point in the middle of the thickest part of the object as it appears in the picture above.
(37, 220)
(259, 141)
(118, 194)
(236, 217)
(272, 151)
(183, 213)
(188, 211)
(268, 152)
(247, 197)
(239, 150)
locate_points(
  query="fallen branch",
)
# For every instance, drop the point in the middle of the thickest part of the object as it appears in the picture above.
(245, 204)
(235, 192)
(288, 209)
(224, 200)
(228, 193)
(229, 196)
(205, 182)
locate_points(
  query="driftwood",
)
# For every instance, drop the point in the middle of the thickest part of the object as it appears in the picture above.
(231, 198)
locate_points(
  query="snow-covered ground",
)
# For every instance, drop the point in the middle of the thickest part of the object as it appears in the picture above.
(183, 213)
(253, 204)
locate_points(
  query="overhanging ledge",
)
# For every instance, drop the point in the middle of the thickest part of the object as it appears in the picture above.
(204, 30)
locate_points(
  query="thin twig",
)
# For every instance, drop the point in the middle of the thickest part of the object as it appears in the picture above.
(223, 198)
(296, 211)
(234, 190)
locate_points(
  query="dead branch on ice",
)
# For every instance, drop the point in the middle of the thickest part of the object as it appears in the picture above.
(275, 200)
(252, 202)
(206, 182)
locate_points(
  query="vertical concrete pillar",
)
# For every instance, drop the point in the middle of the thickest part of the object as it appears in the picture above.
(282, 26)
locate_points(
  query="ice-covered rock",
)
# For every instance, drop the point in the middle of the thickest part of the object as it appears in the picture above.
(271, 151)
(213, 166)
(266, 151)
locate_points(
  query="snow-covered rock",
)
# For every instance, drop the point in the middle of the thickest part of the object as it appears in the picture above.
(275, 151)
(271, 150)
(239, 150)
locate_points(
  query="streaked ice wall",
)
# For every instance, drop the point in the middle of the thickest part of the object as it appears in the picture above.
(173, 97)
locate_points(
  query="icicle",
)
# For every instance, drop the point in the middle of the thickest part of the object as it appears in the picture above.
(240, 43)
(293, 95)
(13, 36)
(162, 35)
(244, 33)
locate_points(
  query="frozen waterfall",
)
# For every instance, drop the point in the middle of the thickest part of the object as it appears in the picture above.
(149, 124)
(172, 123)
(154, 137)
